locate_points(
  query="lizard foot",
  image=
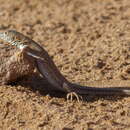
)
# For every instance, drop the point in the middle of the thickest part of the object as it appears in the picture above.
(73, 94)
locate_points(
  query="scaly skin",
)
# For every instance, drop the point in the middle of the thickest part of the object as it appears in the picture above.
(45, 66)
(48, 69)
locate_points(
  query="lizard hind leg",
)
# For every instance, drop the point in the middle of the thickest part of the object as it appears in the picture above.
(71, 94)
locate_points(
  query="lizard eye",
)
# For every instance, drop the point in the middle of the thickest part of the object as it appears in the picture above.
(5, 33)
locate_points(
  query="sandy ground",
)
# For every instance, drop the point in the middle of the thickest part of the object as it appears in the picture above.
(89, 40)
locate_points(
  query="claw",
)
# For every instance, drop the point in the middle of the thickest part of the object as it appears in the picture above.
(73, 94)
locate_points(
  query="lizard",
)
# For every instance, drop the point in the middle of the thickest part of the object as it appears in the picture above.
(49, 70)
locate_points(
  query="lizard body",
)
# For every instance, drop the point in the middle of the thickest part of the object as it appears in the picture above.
(48, 69)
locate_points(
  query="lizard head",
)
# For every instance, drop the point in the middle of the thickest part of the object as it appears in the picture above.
(14, 37)
(22, 42)
(18, 39)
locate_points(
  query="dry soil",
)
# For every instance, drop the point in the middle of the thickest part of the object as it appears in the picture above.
(89, 40)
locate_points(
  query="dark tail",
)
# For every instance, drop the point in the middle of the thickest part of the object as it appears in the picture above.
(84, 90)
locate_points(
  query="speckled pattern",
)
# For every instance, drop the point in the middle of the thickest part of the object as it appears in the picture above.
(14, 64)
(89, 40)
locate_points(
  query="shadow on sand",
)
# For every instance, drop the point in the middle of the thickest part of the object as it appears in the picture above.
(39, 84)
